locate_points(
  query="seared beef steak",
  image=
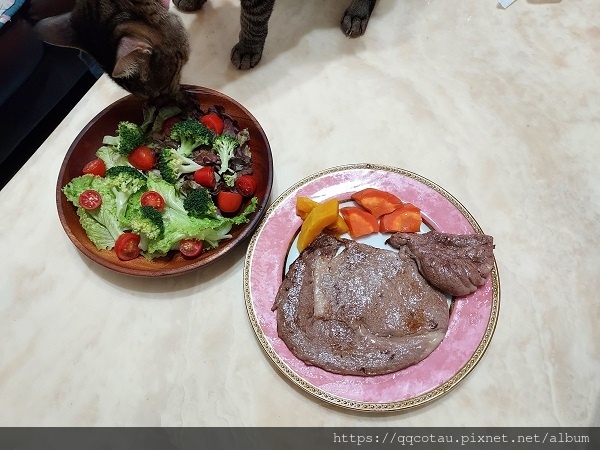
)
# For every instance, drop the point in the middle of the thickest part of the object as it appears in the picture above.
(454, 263)
(350, 308)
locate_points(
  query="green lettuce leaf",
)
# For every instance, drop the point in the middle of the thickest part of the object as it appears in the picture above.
(100, 222)
(96, 232)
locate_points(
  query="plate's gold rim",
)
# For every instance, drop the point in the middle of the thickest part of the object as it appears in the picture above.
(354, 404)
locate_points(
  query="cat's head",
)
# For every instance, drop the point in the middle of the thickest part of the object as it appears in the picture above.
(142, 48)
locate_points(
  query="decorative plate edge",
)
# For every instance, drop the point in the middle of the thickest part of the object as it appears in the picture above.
(356, 404)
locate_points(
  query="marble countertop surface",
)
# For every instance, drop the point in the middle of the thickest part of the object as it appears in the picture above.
(499, 107)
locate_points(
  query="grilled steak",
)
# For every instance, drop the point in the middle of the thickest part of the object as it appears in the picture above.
(350, 308)
(454, 263)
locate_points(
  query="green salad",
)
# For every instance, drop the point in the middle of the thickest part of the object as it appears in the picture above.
(170, 183)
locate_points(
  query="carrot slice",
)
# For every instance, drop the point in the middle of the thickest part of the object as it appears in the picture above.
(405, 219)
(376, 201)
(359, 221)
(321, 216)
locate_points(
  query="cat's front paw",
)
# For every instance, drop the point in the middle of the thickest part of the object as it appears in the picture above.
(188, 5)
(354, 25)
(244, 59)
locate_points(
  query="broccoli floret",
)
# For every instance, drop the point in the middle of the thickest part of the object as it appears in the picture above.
(173, 164)
(224, 145)
(129, 137)
(124, 181)
(199, 204)
(132, 208)
(148, 223)
(229, 179)
(190, 134)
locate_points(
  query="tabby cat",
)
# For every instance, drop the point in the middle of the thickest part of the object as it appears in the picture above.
(254, 25)
(138, 43)
(143, 47)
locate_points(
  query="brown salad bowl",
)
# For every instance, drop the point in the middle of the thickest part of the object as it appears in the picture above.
(84, 148)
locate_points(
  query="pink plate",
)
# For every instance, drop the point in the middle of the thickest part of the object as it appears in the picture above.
(472, 318)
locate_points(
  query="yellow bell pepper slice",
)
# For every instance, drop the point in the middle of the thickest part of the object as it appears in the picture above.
(321, 216)
(305, 205)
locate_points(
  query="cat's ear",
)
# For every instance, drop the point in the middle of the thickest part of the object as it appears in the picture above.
(58, 30)
(133, 56)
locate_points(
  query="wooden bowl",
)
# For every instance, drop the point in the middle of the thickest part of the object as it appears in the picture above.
(84, 148)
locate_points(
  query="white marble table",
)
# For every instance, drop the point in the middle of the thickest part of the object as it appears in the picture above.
(499, 107)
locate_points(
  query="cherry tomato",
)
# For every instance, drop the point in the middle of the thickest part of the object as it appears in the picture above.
(213, 122)
(154, 199)
(167, 126)
(229, 202)
(205, 177)
(142, 158)
(190, 248)
(126, 246)
(246, 185)
(95, 167)
(90, 199)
